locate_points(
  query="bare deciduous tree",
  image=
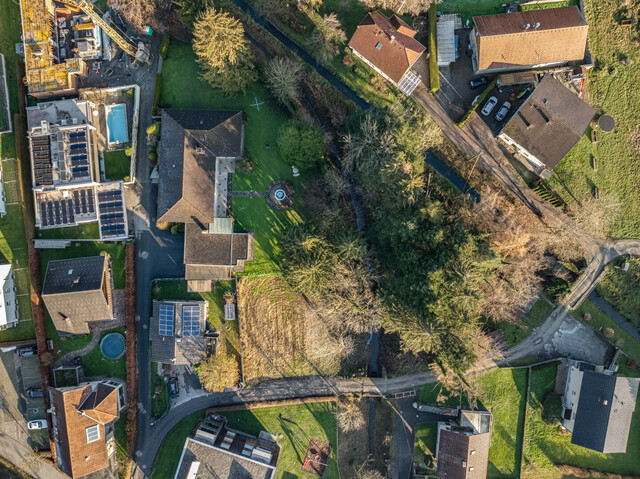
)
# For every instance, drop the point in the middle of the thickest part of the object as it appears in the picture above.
(412, 7)
(365, 472)
(219, 372)
(282, 77)
(349, 415)
(138, 13)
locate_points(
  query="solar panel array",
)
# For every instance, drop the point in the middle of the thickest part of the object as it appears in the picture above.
(191, 320)
(42, 168)
(78, 154)
(59, 211)
(112, 218)
(166, 320)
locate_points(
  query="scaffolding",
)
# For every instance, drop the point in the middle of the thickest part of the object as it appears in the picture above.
(44, 76)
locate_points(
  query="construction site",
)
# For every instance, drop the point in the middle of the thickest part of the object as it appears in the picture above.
(60, 38)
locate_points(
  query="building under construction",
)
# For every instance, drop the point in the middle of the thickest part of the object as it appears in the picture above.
(58, 39)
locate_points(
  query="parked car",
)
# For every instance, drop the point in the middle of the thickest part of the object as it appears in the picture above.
(473, 84)
(37, 424)
(173, 387)
(502, 112)
(34, 393)
(28, 351)
(489, 106)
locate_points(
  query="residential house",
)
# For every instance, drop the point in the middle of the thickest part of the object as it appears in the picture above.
(388, 46)
(214, 451)
(462, 448)
(67, 189)
(525, 40)
(177, 332)
(83, 420)
(547, 125)
(8, 303)
(598, 407)
(77, 292)
(198, 149)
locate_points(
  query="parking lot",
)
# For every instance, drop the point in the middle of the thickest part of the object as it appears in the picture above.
(504, 93)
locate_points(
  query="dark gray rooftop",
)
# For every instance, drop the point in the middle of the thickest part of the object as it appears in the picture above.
(214, 249)
(177, 348)
(550, 122)
(190, 143)
(73, 275)
(605, 410)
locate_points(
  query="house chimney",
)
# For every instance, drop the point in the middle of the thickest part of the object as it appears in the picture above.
(526, 26)
(76, 280)
(393, 37)
(536, 25)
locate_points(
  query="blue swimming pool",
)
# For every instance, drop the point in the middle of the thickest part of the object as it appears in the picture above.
(117, 123)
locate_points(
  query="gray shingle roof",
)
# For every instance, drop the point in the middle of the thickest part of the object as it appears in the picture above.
(177, 349)
(73, 275)
(190, 142)
(605, 410)
(550, 122)
(214, 249)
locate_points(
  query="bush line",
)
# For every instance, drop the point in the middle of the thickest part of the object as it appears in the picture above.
(481, 98)
(434, 72)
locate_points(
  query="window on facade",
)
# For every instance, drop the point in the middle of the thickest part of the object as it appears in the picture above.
(93, 433)
(378, 46)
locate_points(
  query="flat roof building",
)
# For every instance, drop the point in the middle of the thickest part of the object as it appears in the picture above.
(78, 291)
(214, 451)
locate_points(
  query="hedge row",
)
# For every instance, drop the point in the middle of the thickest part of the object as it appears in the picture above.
(434, 73)
(481, 98)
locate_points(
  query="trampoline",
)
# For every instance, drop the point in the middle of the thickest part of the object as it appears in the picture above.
(112, 346)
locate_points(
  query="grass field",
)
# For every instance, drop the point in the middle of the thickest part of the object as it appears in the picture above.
(13, 247)
(621, 338)
(158, 403)
(545, 446)
(95, 364)
(516, 331)
(82, 231)
(116, 165)
(181, 88)
(613, 87)
(620, 288)
(168, 457)
(424, 442)
(502, 390)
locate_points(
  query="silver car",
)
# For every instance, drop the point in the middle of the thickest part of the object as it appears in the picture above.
(489, 106)
(502, 112)
(37, 424)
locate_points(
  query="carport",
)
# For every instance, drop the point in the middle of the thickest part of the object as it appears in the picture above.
(446, 42)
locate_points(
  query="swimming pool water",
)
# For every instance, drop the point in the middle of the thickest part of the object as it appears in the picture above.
(117, 123)
(112, 346)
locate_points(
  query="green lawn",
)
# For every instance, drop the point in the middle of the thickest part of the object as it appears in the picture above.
(117, 165)
(621, 338)
(82, 231)
(95, 364)
(514, 332)
(620, 288)
(546, 446)
(181, 88)
(10, 31)
(158, 403)
(168, 457)
(613, 86)
(502, 391)
(542, 6)
(424, 442)
(121, 438)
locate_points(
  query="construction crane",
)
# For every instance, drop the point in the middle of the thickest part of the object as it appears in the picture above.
(141, 54)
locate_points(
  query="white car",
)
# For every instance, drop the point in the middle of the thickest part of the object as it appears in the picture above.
(502, 112)
(489, 106)
(37, 424)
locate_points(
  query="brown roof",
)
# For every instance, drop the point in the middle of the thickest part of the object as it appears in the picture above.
(503, 42)
(398, 49)
(463, 456)
(550, 122)
(76, 409)
(191, 140)
(215, 249)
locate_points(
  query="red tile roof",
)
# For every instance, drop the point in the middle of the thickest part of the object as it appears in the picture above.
(387, 43)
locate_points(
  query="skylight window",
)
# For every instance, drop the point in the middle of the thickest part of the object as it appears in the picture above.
(378, 46)
(93, 433)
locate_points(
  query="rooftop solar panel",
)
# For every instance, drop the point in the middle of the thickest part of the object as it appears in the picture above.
(191, 320)
(166, 320)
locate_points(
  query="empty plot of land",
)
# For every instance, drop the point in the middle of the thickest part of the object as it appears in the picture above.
(280, 334)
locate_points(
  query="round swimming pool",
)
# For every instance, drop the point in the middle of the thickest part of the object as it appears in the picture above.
(112, 346)
(280, 194)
